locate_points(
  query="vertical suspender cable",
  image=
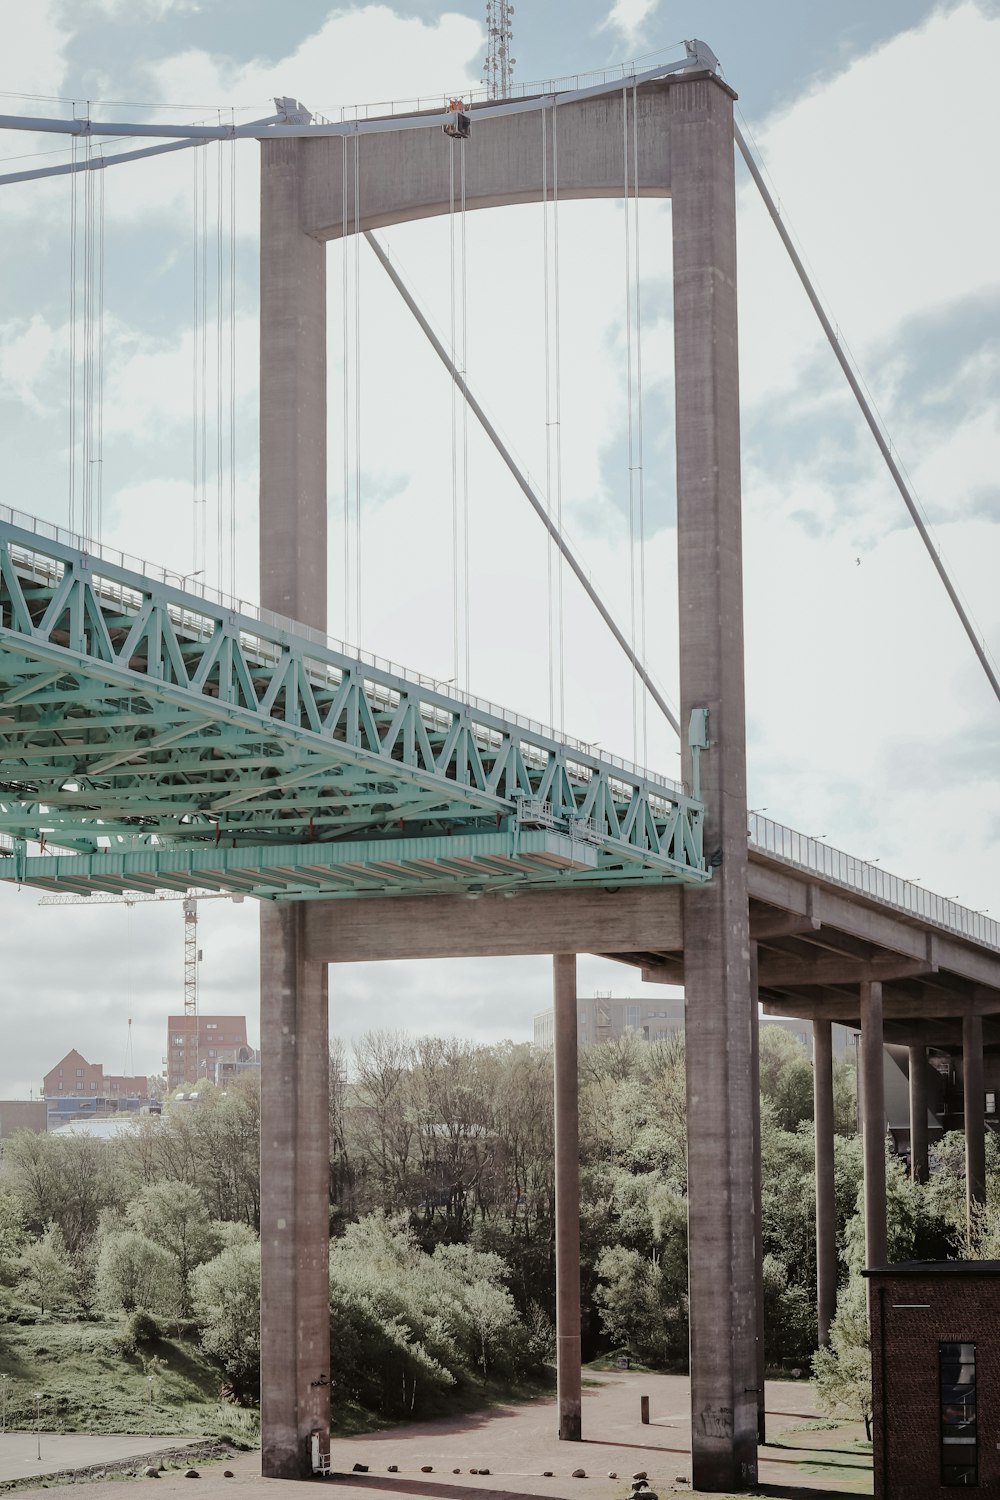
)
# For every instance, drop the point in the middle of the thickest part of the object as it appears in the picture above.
(357, 388)
(100, 358)
(640, 469)
(345, 364)
(557, 329)
(72, 335)
(203, 331)
(629, 418)
(220, 526)
(465, 436)
(232, 362)
(549, 544)
(195, 162)
(88, 337)
(453, 339)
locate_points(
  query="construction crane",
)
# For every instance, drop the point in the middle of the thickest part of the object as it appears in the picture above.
(192, 953)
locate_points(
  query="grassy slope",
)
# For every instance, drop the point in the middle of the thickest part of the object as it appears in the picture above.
(88, 1384)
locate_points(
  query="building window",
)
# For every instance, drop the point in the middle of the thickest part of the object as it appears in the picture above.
(632, 1018)
(211, 1025)
(959, 1442)
(79, 1072)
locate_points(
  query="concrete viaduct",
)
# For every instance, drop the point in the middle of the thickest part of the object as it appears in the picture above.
(760, 925)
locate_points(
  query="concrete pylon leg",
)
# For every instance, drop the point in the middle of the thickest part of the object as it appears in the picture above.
(567, 1142)
(873, 1122)
(826, 1203)
(758, 1210)
(919, 1166)
(975, 1121)
(722, 1284)
(295, 1200)
(294, 1230)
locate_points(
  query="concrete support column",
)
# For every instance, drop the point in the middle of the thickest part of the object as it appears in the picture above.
(826, 1202)
(295, 1199)
(295, 1322)
(919, 1167)
(567, 1133)
(758, 1212)
(718, 1005)
(873, 1122)
(974, 1107)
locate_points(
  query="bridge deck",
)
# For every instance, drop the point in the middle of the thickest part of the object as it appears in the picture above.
(159, 735)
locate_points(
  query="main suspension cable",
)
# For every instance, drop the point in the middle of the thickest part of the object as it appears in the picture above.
(868, 413)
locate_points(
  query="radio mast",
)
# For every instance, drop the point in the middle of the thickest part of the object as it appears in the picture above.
(498, 69)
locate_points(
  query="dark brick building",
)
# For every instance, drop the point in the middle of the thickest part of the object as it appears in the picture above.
(936, 1378)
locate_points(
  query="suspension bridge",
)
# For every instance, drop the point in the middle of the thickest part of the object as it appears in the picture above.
(158, 734)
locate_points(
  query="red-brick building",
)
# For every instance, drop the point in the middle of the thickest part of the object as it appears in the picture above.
(74, 1077)
(935, 1378)
(212, 1047)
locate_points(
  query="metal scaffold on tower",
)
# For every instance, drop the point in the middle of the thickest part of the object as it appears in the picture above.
(498, 69)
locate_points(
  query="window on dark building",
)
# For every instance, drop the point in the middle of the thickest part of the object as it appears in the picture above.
(959, 1441)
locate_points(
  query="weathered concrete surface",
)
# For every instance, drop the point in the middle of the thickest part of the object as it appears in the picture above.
(295, 1345)
(826, 1201)
(716, 925)
(974, 1107)
(293, 533)
(919, 1165)
(873, 1122)
(567, 1155)
(294, 1208)
(593, 921)
(406, 175)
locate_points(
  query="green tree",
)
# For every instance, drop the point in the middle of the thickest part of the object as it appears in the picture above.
(226, 1298)
(134, 1273)
(173, 1215)
(47, 1275)
(786, 1077)
(843, 1372)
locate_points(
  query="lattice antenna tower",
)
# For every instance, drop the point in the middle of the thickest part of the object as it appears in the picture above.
(498, 69)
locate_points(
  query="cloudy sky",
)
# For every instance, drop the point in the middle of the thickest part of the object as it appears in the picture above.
(870, 722)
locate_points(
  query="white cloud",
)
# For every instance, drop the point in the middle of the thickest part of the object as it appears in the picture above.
(628, 18)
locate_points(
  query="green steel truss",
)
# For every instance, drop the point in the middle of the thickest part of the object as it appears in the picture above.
(150, 737)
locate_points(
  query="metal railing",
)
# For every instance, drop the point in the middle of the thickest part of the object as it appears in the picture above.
(870, 880)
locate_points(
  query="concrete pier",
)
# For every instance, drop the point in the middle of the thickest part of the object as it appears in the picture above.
(294, 1238)
(758, 1212)
(716, 924)
(919, 1167)
(975, 1122)
(826, 1204)
(567, 1153)
(873, 1121)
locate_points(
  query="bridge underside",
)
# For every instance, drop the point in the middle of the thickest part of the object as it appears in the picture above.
(150, 737)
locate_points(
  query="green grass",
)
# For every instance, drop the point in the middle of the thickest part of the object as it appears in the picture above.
(88, 1383)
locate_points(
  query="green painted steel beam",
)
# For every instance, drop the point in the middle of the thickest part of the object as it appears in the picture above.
(136, 718)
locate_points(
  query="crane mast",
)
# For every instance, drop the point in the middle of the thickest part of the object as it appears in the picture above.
(498, 68)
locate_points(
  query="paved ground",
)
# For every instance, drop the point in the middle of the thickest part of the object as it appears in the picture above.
(72, 1450)
(516, 1444)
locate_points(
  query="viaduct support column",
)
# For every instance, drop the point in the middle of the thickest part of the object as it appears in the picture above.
(873, 1122)
(826, 1203)
(758, 1209)
(919, 1168)
(975, 1123)
(294, 1238)
(567, 1120)
(718, 1003)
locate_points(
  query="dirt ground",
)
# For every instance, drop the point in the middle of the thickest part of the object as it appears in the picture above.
(517, 1444)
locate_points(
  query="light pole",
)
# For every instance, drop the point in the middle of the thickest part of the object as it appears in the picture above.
(149, 1380)
(3, 1401)
(38, 1424)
